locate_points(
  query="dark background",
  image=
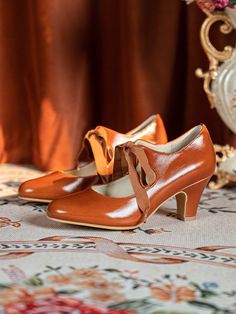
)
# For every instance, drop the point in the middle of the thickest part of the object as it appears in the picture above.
(69, 65)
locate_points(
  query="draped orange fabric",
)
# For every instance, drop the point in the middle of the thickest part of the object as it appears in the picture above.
(69, 65)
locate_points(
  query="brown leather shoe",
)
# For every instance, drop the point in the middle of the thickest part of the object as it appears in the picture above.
(95, 164)
(180, 168)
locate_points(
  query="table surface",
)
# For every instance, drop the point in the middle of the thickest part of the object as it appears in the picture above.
(166, 266)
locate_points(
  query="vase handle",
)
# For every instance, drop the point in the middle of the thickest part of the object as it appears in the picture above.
(215, 56)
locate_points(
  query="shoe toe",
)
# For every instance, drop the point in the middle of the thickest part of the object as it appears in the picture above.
(71, 209)
(46, 188)
(57, 209)
(27, 189)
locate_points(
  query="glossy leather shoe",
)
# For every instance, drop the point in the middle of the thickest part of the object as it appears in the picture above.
(95, 164)
(180, 168)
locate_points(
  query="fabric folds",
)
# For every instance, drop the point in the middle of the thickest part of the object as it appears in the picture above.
(69, 65)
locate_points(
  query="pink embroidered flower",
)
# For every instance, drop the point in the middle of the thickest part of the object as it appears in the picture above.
(59, 305)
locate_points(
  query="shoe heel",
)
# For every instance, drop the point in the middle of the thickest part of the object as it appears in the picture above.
(188, 200)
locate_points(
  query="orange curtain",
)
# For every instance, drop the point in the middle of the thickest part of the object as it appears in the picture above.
(69, 65)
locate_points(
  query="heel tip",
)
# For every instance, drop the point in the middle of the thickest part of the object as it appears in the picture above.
(187, 218)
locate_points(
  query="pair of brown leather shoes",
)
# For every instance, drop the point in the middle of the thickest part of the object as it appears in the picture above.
(122, 179)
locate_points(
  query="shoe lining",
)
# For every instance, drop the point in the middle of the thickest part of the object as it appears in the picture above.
(143, 125)
(86, 170)
(119, 188)
(175, 145)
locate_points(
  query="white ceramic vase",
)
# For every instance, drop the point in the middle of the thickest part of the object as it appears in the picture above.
(224, 85)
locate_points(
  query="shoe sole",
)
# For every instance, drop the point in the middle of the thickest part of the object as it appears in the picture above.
(34, 199)
(180, 216)
(120, 228)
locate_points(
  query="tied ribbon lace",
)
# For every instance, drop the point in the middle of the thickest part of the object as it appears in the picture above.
(101, 152)
(95, 136)
(135, 154)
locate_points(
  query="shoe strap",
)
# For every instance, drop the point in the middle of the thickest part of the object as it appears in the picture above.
(102, 153)
(135, 155)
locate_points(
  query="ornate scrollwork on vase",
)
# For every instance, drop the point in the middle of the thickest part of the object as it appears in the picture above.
(225, 171)
(215, 56)
(220, 87)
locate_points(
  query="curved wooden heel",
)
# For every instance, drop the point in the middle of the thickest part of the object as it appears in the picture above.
(188, 199)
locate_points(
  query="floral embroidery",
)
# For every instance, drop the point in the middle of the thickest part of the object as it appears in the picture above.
(147, 231)
(82, 289)
(14, 273)
(76, 276)
(95, 290)
(141, 252)
(171, 292)
(59, 305)
(107, 297)
(6, 222)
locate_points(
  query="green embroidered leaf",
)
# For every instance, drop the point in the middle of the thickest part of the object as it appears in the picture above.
(34, 281)
(219, 311)
(112, 270)
(193, 284)
(202, 304)
(72, 267)
(136, 286)
(53, 268)
(167, 312)
(204, 293)
(139, 305)
(207, 294)
(230, 293)
(214, 308)
(67, 291)
(4, 286)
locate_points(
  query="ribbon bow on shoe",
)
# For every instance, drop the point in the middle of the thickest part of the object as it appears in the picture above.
(98, 147)
(128, 158)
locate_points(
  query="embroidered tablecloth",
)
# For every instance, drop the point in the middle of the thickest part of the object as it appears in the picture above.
(166, 266)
